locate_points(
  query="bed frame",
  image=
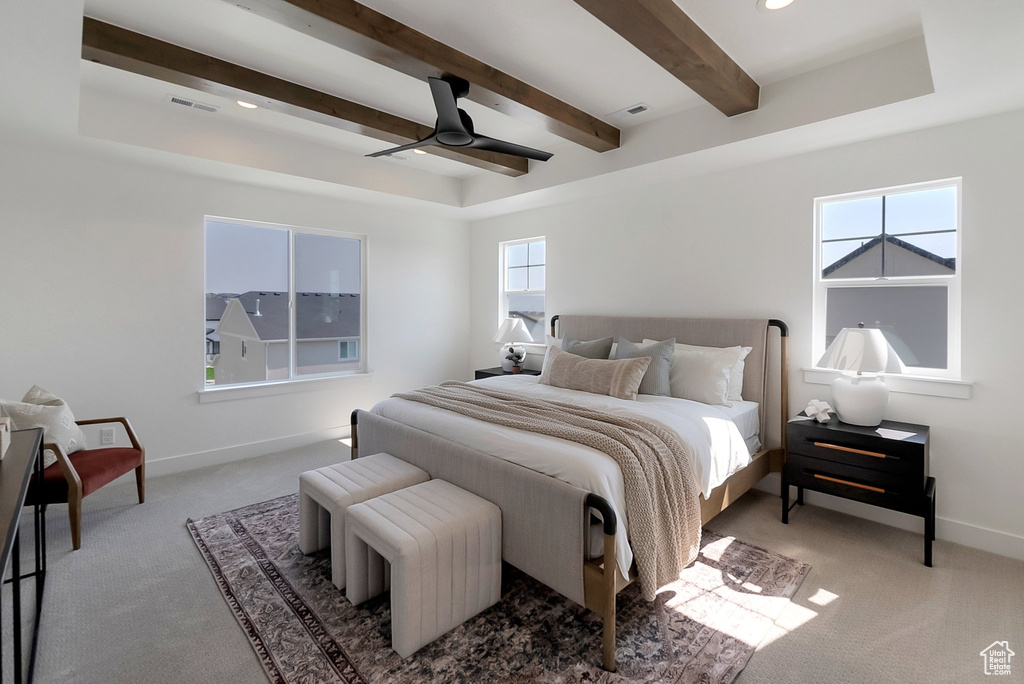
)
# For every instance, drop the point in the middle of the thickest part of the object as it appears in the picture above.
(545, 522)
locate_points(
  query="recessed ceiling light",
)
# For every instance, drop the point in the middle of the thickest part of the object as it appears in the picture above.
(775, 4)
(417, 151)
(250, 105)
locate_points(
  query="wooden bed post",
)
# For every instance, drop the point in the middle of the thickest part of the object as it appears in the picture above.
(608, 619)
(783, 389)
(603, 579)
(784, 409)
(354, 435)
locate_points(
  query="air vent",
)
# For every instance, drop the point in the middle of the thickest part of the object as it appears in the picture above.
(629, 112)
(192, 104)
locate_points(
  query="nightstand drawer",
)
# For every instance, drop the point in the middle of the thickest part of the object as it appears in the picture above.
(882, 455)
(880, 488)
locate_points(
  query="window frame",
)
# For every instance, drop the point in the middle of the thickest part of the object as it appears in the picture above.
(821, 286)
(504, 292)
(294, 378)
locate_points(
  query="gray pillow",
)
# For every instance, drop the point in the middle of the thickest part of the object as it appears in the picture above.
(656, 379)
(588, 349)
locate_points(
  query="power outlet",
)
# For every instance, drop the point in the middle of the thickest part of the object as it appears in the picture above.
(106, 435)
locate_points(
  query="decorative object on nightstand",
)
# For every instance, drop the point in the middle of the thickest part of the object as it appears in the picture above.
(482, 373)
(860, 399)
(511, 335)
(516, 359)
(885, 466)
(819, 411)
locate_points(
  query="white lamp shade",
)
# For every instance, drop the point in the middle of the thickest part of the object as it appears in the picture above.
(861, 350)
(513, 331)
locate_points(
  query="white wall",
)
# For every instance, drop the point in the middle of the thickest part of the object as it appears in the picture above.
(739, 243)
(102, 298)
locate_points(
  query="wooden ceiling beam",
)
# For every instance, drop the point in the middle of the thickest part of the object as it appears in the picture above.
(365, 32)
(123, 49)
(663, 32)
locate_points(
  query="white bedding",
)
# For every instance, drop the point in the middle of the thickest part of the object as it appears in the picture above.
(748, 420)
(716, 437)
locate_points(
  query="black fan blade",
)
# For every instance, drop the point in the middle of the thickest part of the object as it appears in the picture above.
(411, 146)
(482, 142)
(448, 118)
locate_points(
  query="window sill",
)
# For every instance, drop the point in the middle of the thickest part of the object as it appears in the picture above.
(266, 389)
(907, 384)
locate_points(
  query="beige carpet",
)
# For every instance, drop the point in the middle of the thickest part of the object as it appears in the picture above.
(138, 604)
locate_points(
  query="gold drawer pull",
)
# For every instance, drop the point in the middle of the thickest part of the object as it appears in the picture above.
(852, 451)
(847, 482)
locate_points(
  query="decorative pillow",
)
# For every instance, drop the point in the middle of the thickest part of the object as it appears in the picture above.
(40, 409)
(549, 342)
(590, 349)
(656, 379)
(619, 379)
(702, 375)
(735, 373)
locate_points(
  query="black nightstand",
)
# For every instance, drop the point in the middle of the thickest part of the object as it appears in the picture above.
(491, 372)
(885, 466)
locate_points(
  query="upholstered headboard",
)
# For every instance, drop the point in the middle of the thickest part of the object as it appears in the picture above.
(708, 332)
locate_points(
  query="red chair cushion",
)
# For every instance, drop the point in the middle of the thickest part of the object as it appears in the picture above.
(96, 468)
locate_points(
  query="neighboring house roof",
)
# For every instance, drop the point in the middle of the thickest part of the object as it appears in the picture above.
(319, 315)
(215, 305)
(949, 263)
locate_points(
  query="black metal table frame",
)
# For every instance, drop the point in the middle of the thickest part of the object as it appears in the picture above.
(14, 560)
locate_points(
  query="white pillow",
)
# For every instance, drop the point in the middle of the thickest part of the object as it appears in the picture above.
(40, 409)
(549, 342)
(735, 392)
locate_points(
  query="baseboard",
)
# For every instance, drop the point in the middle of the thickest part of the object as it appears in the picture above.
(1002, 543)
(202, 459)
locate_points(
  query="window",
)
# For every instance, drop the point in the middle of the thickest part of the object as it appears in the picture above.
(522, 284)
(348, 350)
(890, 259)
(286, 301)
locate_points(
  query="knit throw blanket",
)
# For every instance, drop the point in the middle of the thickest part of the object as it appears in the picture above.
(662, 500)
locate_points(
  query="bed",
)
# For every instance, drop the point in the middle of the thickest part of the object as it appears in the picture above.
(561, 503)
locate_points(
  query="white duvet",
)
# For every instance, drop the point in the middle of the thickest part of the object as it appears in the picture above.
(712, 439)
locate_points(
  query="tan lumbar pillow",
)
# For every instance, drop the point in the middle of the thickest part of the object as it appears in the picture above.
(620, 379)
(41, 409)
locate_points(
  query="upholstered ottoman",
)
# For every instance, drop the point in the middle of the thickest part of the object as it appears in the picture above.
(444, 549)
(325, 494)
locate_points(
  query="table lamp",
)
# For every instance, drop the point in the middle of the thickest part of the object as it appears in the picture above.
(860, 399)
(512, 333)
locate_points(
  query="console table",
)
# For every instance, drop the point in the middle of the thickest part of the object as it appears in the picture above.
(24, 458)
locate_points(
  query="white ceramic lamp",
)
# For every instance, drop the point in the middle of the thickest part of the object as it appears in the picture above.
(860, 399)
(512, 333)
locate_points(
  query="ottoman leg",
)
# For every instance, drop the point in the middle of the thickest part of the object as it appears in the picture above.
(323, 528)
(309, 524)
(406, 607)
(338, 548)
(356, 568)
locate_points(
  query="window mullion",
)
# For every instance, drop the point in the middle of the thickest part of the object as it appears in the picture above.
(292, 347)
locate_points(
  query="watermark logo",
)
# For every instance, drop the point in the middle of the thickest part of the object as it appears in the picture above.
(997, 658)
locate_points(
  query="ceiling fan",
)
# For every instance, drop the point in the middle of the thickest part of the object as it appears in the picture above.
(454, 128)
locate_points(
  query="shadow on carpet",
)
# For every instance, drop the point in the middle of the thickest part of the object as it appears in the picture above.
(702, 628)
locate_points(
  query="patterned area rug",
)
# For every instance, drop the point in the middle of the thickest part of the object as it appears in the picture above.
(702, 628)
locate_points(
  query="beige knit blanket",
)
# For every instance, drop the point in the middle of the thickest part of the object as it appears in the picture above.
(662, 500)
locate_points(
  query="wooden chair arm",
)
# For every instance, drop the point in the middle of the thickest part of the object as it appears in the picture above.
(66, 467)
(117, 419)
